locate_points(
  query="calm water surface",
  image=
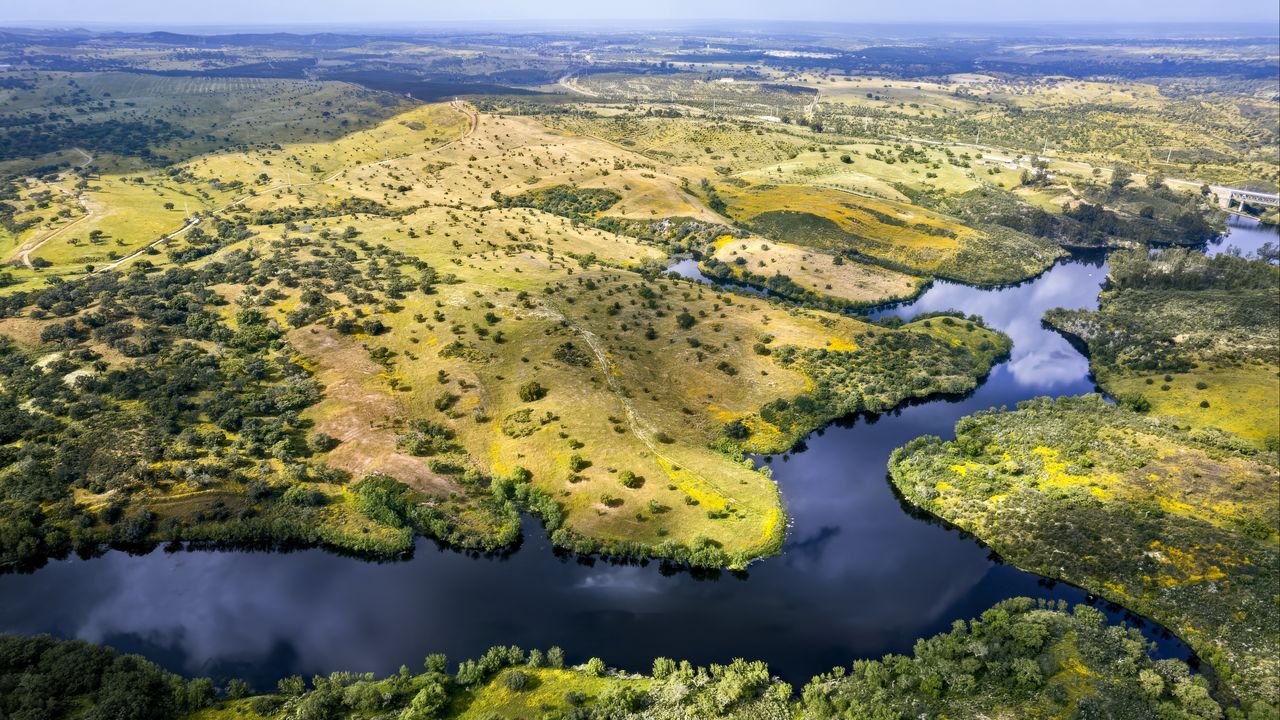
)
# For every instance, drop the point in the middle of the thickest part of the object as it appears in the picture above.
(858, 577)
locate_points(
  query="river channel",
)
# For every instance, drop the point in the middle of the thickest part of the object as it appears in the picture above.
(858, 577)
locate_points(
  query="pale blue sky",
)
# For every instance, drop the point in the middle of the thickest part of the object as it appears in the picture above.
(159, 13)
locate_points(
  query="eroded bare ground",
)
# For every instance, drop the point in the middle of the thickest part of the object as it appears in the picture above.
(360, 412)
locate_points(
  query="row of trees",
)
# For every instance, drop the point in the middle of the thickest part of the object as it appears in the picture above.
(1021, 658)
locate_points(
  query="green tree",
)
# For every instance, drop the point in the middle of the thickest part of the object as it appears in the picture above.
(532, 391)
(436, 663)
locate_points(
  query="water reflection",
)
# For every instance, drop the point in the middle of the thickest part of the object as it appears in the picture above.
(688, 268)
(1245, 234)
(858, 577)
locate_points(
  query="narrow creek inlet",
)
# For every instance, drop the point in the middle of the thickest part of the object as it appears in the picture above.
(858, 576)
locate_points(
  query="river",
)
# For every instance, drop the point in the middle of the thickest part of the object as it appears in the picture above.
(858, 576)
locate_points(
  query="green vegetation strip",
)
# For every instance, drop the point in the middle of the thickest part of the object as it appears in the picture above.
(1189, 337)
(1178, 525)
(1020, 659)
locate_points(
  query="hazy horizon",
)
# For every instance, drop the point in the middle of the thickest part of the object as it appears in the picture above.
(397, 14)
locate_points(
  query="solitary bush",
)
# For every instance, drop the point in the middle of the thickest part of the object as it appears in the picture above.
(428, 703)
(571, 354)
(304, 496)
(321, 442)
(292, 686)
(436, 663)
(516, 680)
(532, 391)
(629, 479)
(1136, 403)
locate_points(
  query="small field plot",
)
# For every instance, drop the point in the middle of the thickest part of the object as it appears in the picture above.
(819, 272)
(692, 144)
(878, 169)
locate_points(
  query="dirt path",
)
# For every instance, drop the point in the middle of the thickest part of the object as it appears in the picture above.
(473, 122)
(643, 432)
(24, 253)
(190, 224)
(568, 82)
(812, 107)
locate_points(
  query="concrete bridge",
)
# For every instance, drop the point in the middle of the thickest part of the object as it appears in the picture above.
(1228, 196)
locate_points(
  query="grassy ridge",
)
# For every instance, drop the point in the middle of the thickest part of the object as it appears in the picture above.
(488, 349)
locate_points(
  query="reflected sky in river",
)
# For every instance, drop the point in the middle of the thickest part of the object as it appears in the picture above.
(1041, 360)
(858, 576)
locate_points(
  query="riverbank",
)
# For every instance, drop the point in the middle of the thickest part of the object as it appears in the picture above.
(1036, 659)
(849, 544)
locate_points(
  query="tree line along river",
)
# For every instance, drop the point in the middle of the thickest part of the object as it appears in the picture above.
(859, 576)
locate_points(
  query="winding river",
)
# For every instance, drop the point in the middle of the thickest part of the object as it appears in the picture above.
(859, 576)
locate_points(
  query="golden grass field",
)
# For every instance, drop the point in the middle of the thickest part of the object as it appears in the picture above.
(640, 405)
(853, 281)
(1241, 400)
(648, 397)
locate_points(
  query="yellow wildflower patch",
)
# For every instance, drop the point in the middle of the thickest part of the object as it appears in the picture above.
(694, 486)
(771, 522)
(836, 344)
(764, 434)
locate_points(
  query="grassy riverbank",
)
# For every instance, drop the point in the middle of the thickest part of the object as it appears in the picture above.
(1019, 659)
(1188, 337)
(1177, 525)
(474, 351)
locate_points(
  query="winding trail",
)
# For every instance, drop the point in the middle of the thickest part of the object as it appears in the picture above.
(639, 428)
(24, 253)
(568, 82)
(473, 122)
